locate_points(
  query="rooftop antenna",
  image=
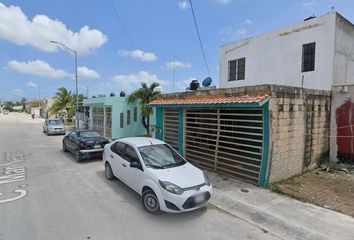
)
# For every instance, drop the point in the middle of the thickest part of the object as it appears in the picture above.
(332, 9)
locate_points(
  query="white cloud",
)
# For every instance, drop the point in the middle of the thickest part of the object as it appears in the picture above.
(177, 65)
(139, 54)
(183, 5)
(240, 30)
(182, 85)
(38, 68)
(43, 69)
(309, 4)
(224, 2)
(18, 92)
(248, 22)
(85, 73)
(32, 84)
(131, 82)
(15, 27)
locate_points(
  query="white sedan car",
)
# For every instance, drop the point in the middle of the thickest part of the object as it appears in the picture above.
(164, 179)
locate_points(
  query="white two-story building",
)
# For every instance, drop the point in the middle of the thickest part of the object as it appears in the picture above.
(316, 53)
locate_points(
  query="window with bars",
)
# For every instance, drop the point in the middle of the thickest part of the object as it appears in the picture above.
(308, 57)
(135, 114)
(108, 119)
(121, 120)
(128, 117)
(237, 69)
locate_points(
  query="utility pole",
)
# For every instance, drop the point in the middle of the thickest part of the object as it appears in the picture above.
(87, 92)
(76, 84)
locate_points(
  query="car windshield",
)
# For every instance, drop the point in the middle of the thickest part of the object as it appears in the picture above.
(88, 134)
(160, 156)
(55, 122)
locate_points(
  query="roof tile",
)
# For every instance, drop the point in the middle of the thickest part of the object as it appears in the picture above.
(210, 100)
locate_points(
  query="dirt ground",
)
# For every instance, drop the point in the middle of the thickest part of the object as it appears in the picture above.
(333, 190)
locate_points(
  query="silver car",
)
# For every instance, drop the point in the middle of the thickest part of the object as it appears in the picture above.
(54, 126)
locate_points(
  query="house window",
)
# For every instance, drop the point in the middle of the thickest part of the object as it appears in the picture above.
(135, 114)
(237, 69)
(128, 117)
(121, 120)
(308, 57)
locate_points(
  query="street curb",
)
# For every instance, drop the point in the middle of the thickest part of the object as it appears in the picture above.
(274, 224)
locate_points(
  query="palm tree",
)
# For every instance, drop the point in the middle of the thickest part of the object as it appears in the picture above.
(145, 95)
(63, 101)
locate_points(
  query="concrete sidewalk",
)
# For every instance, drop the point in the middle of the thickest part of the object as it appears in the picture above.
(280, 215)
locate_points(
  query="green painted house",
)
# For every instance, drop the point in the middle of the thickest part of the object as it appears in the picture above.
(114, 117)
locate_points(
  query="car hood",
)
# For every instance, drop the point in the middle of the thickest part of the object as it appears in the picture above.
(183, 176)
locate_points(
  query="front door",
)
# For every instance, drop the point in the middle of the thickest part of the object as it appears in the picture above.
(116, 159)
(71, 142)
(133, 176)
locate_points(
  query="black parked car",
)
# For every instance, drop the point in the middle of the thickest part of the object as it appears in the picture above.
(84, 144)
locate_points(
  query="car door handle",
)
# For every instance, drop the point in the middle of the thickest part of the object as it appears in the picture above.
(111, 156)
(124, 165)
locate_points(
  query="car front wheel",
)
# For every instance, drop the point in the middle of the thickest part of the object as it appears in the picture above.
(108, 171)
(64, 147)
(78, 156)
(150, 202)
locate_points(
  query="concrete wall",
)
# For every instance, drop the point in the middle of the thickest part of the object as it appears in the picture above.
(343, 52)
(342, 124)
(36, 111)
(299, 125)
(299, 131)
(276, 57)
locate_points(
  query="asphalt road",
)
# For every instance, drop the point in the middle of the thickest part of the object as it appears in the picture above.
(46, 194)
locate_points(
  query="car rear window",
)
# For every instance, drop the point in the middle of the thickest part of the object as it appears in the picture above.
(55, 122)
(88, 134)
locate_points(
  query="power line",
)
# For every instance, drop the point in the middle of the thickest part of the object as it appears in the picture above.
(122, 25)
(132, 45)
(200, 41)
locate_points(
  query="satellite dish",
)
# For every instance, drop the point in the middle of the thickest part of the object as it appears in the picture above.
(207, 82)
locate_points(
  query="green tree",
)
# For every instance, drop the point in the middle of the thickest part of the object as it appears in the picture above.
(63, 102)
(71, 110)
(23, 103)
(8, 106)
(145, 95)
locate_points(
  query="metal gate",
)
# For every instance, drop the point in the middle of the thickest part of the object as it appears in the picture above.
(102, 120)
(98, 119)
(171, 132)
(228, 141)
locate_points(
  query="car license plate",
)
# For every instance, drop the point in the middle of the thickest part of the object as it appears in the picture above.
(199, 198)
(97, 146)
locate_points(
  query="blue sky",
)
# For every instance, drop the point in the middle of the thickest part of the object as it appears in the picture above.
(159, 31)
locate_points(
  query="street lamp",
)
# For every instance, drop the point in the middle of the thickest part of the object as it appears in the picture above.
(76, 97)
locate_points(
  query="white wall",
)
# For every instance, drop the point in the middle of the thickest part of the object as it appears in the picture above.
(343, 52)
(276, 57)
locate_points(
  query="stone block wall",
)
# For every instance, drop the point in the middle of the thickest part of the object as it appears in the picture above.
(299, 130)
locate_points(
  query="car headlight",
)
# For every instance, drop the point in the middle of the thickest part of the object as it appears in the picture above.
(170, 187)
(207, 179)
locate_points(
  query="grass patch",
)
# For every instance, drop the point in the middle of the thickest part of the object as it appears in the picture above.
(276, 188)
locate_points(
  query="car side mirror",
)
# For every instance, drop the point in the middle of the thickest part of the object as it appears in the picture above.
(134, 165)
